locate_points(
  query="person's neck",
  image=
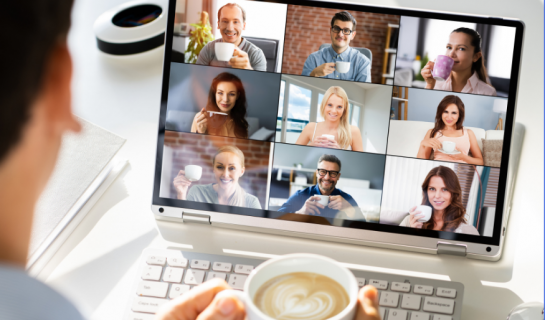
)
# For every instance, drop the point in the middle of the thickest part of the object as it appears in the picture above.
(449, 128)
(223, 195)
(459, 79)
(438, 215)
(237, 43)
(331, 125)
(325, 193)
(339, 50)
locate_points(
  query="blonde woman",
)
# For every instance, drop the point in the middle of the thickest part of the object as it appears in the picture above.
(335, 131)
(228, 168)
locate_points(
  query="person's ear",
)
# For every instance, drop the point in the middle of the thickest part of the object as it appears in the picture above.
(477, 56)
(244, 26)
(242, 171)
(353, 35)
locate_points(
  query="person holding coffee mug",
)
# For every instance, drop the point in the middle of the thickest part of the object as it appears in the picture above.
(442, 192)
(463, 64)
(225, 112)
(232, 49)
(339, 61)
(335, 131)
(228, 168)
(324, 199)
(449, 129)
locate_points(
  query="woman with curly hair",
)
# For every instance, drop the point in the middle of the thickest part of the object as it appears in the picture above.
(442, 192)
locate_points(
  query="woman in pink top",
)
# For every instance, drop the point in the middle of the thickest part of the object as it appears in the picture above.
(468, 72)
(449, 121)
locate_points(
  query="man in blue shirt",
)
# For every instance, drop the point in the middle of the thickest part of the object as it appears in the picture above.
(322, 62)
(306, 201)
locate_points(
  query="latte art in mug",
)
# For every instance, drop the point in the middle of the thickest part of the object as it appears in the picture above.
(301, 295)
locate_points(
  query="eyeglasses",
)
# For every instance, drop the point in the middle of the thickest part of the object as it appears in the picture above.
(336, 29)
(323, 172)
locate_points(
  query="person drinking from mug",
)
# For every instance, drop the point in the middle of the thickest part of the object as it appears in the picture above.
(324, 198)
(449, 121)
(225, 111)
(335, 131)
(352, 65)
(246, 55)
(228, 168)
(468, 73)
(442, 192)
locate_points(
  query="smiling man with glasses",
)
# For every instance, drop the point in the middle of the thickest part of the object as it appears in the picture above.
(340, 204)
(322, 62)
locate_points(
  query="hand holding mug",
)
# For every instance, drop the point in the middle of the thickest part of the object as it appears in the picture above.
(312, 206)
(200, 122)
(338, 203)
(181, 184)
(320, 142)
(426, 74)
(433, 143)
(414, 216)
(323, 70)
(240, 60)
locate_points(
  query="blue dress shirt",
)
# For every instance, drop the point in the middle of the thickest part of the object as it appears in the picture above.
(360, 65)
(296, 201)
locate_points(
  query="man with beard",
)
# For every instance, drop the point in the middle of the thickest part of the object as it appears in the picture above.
(231, 22)
(341, 204)
(322, 62)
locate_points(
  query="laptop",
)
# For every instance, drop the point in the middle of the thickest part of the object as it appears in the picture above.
(375, 126)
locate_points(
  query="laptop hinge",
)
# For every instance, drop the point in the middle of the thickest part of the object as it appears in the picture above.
(452, 249)
(196, 218)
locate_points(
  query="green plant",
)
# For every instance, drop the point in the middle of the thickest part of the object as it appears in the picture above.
(200, 36)
(422, 65)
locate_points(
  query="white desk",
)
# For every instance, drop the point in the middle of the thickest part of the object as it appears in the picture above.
(123, 96)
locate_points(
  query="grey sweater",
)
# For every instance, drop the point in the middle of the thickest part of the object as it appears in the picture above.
(207, 56)
(206, 193)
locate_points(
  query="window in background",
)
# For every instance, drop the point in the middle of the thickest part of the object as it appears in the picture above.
(298, 113)
(501, 47)
(355, 118)
(319, 117)
(280, 111)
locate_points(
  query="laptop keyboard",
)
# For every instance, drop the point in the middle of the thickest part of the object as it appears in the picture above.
(166, 274)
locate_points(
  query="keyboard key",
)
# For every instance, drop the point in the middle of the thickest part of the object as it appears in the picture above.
(194, 277)
(177, 262)
(389, 299)
(439, 305)
(221, 266)
(147, 305)
(382, 312)
(243, 269)
(212, 275)
(152, 273)
(237, 281)
(441, 317)
(379, 284)
(401, 287)
(152, 289)
(173, 275)
(446, 292)
(394, 314)
(420, 316)
(361, 282)
(411, 302)
(141, 316)
(157, 260)
(177, 290)
(200, 264)
(426, 290)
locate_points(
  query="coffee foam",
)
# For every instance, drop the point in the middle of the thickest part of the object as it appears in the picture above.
(301, 295)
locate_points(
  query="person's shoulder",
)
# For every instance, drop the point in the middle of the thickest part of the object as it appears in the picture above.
(252, 201)
(354, 129)
(467, 228)
(310, 126)
(357, 54)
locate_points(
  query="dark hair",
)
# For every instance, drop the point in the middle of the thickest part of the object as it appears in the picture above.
(233, 5)
(477, 66)
(238, 113)
(330, 158)
(344, 16)
(447, 101)
(454, 213)
(30, 30)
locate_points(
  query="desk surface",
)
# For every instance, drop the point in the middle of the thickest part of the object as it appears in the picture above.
(122, 95)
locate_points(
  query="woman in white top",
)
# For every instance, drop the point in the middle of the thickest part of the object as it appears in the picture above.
(468, 74)
(335, 131)
(442, 192)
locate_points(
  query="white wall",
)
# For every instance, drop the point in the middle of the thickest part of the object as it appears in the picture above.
(500, 53)
(376, 118)
(437, 35)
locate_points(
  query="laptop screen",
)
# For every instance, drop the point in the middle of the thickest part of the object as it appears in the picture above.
(349, 116)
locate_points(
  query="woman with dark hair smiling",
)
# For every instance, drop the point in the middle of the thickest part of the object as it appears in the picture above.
(468, 74)
(449, 121)
(442, 192)
(225, 112)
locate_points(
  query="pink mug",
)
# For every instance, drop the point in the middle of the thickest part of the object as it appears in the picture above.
(442, 68)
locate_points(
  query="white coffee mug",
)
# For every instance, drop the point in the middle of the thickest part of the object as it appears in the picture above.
(193, 172)
(324, 200)
(290, 263)
(224, 50)
(342, 66)
(449, 146)
(329, 136)
(425, 211)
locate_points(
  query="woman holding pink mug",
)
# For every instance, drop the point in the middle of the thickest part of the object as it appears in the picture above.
(442, 192)
(449, 121)
(468, 74)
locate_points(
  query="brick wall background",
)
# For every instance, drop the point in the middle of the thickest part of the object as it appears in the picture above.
(198, 149)
(307, 28)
